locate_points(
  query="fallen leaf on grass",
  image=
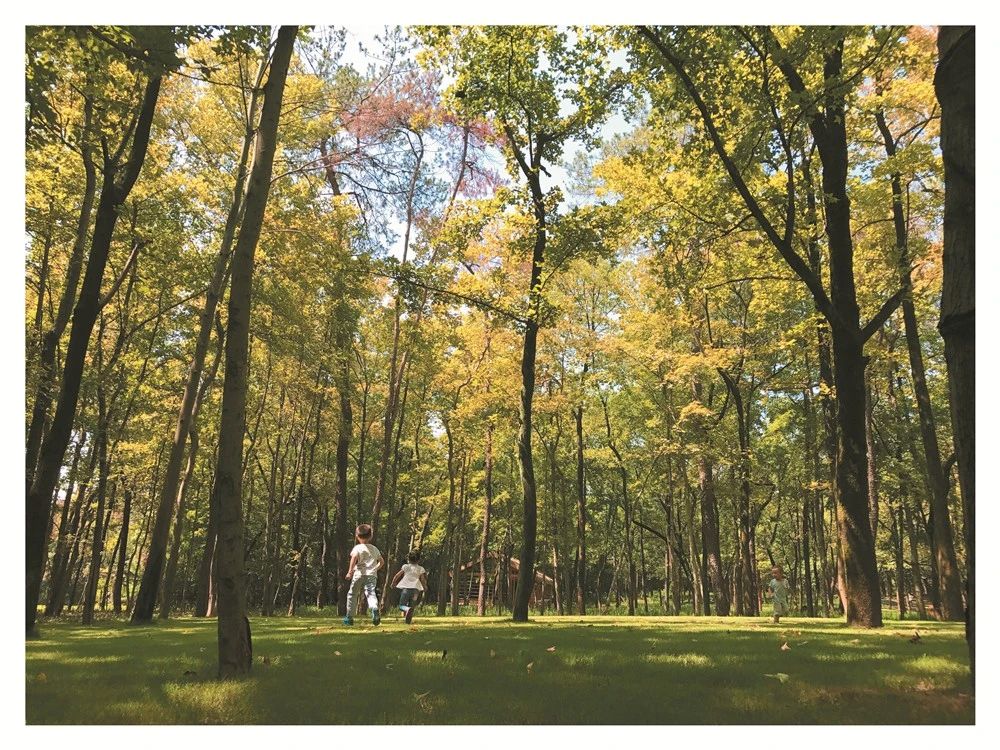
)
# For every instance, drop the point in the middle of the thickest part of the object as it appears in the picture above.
(530, 665)
(803, 643)
(785, 646)
(337, 653)
(779, 676)
(493, 654)
(856, 640)
(551, 648)
(389, 666)
(41, 677)
(421, 696)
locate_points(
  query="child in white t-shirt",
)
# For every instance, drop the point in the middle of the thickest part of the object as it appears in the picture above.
(366, 560)
(411, 579)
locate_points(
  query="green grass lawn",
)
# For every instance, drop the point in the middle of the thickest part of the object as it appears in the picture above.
(554, 670)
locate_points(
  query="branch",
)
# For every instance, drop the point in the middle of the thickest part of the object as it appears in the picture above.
(475, 301)
(136, 246)
(784, 248)
(883, 314)
(751, 278)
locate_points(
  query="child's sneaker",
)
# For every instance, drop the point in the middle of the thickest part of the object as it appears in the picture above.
(375, 617)
(348, 620)
(408, 617)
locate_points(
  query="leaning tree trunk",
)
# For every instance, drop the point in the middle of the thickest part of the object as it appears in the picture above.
(155, 560)
(235, 654)
(50, 341)
(955, 84)
(117, 184)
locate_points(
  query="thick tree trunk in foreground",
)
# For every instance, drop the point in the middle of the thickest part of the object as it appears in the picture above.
(116, 186)
(235, 655)
(955, 84)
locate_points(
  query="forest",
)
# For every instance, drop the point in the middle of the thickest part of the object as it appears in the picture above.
(601, 320)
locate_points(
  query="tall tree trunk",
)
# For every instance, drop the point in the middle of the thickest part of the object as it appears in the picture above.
(116, 591)
(746, 603)
(97, 548)
(116, 186)
(62, 539)
(50, 340)
(955, 85)
(235, 654)
(581, 515)
(872, 472)
(153, 571)
(896, 530)
(484, 543)
(915, 569)
(949, 579)
(456, 564)
(170, 573)
(442, 592)
(341, 531)
(710, 535)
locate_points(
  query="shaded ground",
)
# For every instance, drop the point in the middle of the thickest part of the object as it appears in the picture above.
(602, 670)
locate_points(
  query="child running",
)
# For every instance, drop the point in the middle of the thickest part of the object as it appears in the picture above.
(779, 591)
(366, 560)
(411, 579)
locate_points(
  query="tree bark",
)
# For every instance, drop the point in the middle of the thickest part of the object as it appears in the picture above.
(235, 655)
(955, 85)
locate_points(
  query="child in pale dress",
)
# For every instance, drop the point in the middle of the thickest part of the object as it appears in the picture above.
(411, 579)
(778, 586)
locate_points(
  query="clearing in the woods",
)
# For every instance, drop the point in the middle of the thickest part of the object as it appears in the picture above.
(553, 670)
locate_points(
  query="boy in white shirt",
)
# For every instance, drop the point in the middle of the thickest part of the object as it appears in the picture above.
(411, 579)
(366, 560)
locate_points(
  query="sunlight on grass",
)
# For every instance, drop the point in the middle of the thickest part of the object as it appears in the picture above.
(553, 670)
(214, 702)
(685, 660)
